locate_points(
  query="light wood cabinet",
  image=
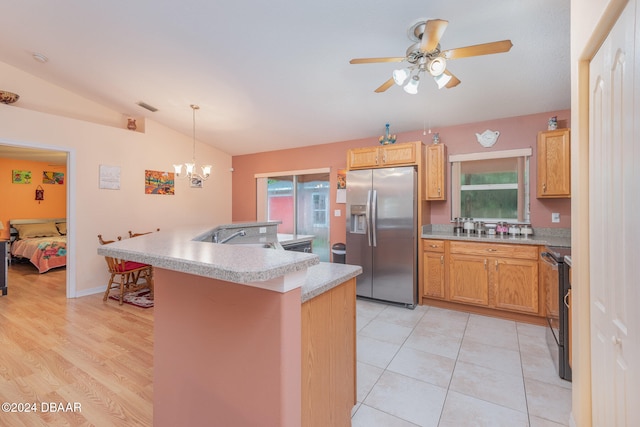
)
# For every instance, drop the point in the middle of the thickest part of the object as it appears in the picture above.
(329, 357)
(500, 276)
(383, 156)
(516, 284)
(554, 164)
(468, 279)
(434, 269)
(435, 172)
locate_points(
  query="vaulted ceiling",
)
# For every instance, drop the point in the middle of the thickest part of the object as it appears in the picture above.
(275, 75)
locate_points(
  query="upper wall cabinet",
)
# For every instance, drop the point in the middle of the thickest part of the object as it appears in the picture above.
(383, 156)
(435, 173)
(554, 164)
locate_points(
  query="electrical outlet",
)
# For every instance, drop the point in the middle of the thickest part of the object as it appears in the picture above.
(555, 217)
(262, 230)
(337, 212)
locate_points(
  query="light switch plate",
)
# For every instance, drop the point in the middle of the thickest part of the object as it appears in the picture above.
(337, 212)
(555, 217)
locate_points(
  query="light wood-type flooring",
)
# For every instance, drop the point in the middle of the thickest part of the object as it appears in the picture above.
(56, 351)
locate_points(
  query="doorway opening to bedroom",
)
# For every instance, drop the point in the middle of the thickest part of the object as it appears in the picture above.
(34, 214)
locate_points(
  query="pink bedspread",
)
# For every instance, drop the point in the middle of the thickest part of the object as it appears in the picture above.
(43, 252)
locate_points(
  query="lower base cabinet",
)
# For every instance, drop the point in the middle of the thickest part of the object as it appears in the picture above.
(496, 276)
(329, 357)
(468, 279)
(434, 267)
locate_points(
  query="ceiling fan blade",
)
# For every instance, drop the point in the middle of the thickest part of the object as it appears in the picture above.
(453, 82)
(386, 85)
(478, 49)
(433, 31)
(374, 60)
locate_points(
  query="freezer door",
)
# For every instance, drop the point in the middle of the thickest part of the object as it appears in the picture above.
(359, 250)
(394, 210)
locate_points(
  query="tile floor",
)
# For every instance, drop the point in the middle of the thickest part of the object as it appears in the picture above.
(436, 367)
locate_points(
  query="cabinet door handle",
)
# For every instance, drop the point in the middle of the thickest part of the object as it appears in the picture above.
(496, 265)
(485, 264)
(442, 259)
(491, 250)
(438, 191)
(433, 246)
(544, 187)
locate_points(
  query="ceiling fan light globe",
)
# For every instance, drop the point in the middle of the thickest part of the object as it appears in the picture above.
(437, 66)
(442, 80)
(401, 75)
(412, 86)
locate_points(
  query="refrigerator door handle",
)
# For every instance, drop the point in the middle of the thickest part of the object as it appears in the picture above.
(374, 215)
(367, 216)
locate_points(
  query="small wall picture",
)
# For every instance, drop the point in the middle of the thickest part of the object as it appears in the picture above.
(196, 182)
(342, 179)
(52, 177)
(21, 177)
(159, 182)
(109, 177)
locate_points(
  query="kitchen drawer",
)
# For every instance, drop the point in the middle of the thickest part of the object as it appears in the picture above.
(433, 245)
(495, 250)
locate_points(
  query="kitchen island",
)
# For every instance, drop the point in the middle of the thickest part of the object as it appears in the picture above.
(230, 334)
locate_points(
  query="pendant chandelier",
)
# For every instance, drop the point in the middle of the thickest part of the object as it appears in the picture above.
(191, 167)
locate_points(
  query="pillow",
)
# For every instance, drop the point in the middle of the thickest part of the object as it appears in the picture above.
(47, 229)
(62, 228)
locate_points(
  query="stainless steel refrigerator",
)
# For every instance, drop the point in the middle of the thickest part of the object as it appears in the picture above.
(382, 233)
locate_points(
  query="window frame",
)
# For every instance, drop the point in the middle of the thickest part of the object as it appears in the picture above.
(523, 185)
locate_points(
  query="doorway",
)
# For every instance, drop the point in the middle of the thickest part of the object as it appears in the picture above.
(51, 155)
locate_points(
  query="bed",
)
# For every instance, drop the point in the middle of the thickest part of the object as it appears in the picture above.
(41, 241)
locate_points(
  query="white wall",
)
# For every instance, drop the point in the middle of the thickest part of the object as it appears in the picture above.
(114, 212)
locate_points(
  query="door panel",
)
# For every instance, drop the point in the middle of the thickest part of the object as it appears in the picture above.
(358, 251)
(614, 201)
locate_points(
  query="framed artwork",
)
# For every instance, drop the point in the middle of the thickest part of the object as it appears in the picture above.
(109, 178)
(341, 192)
(196, 182)
(20, 177)
(342, 179)
(52, 177)
(159, 182)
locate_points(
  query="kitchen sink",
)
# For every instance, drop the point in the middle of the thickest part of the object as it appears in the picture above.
(273, 245)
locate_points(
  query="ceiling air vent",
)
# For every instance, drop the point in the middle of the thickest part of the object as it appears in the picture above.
(147, 106)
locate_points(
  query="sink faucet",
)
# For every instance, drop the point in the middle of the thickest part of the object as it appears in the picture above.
(232, 236)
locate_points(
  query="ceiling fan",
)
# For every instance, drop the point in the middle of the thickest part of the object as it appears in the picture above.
(425, 56)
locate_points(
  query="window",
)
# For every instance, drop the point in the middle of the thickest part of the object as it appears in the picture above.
(491, 186)
(319, 209)
(300, 200)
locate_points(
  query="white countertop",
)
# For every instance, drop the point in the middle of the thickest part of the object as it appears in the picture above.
(176, 250)
(544, 240)
(288, 239)
(324, 276)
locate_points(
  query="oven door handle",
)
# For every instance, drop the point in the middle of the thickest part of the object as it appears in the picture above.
(565, 298)
(549, 260)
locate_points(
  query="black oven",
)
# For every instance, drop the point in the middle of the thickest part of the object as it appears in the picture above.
(555, 273)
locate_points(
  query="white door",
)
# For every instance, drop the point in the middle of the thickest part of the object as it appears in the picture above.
(614, 194)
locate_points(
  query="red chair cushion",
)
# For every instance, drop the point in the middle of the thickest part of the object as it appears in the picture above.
(131, 265)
